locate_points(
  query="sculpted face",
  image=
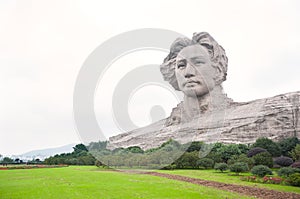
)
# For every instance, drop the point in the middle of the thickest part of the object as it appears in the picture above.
(194, 72)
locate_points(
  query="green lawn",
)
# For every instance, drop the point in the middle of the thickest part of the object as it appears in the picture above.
(217, 176)
(91, 182)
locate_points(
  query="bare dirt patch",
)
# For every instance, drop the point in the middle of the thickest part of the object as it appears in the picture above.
(244, 190)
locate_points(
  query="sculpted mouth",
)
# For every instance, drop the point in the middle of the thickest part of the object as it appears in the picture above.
(191, 82)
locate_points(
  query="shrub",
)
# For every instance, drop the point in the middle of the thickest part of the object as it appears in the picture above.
(284, 161)
(287, 171)
(221, 166)
(239, 167)
(296, 165)
(205, 162)
(263, 158)
(254, 151)
(261, 171)
(241, 158)
(269, 145)
(294, 179)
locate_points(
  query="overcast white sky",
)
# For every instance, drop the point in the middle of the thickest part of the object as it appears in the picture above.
(44, 43)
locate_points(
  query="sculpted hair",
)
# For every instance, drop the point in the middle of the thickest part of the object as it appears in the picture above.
(217, 54)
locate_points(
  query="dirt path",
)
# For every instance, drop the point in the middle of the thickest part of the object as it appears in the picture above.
(245, 190)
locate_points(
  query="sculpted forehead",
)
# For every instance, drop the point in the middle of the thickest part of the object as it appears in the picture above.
(194, 51)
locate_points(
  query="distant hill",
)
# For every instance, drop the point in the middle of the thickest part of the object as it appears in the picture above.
(44, 153)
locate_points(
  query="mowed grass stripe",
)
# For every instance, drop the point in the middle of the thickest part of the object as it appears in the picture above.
(89, 182)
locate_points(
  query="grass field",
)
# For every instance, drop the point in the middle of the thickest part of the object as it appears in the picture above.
(91, 182)
(214, 175)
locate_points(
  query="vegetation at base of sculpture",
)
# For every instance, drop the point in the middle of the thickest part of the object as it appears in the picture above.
(261, 171)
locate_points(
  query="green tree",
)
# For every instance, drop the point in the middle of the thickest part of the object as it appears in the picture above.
(216, 147)
(239, 167)
(241, 158)
(269, 145)
(7, 160)
(79, 147)
(243, 148)
(72, 161)
(172, 143)
(295, 153)
(205, 162)
(86, 160)
(215, 156)
(195, 146)
(227, 151)
(80, 156)
(261, 170)
(187, 160)
(264, 158)
(221, 166)
(288, 144)
(76, 154)
(135, 149)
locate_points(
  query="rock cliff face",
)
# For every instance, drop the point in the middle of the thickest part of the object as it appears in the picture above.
(275, 117)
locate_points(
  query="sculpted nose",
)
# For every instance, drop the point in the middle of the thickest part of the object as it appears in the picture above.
(189, 71)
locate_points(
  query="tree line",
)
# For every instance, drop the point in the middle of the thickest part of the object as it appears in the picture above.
(172, 154)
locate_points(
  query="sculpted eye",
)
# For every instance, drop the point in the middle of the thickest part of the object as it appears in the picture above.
(181, 65)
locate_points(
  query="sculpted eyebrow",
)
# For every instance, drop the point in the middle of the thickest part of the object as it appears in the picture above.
(198, 58)
(182, 61)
